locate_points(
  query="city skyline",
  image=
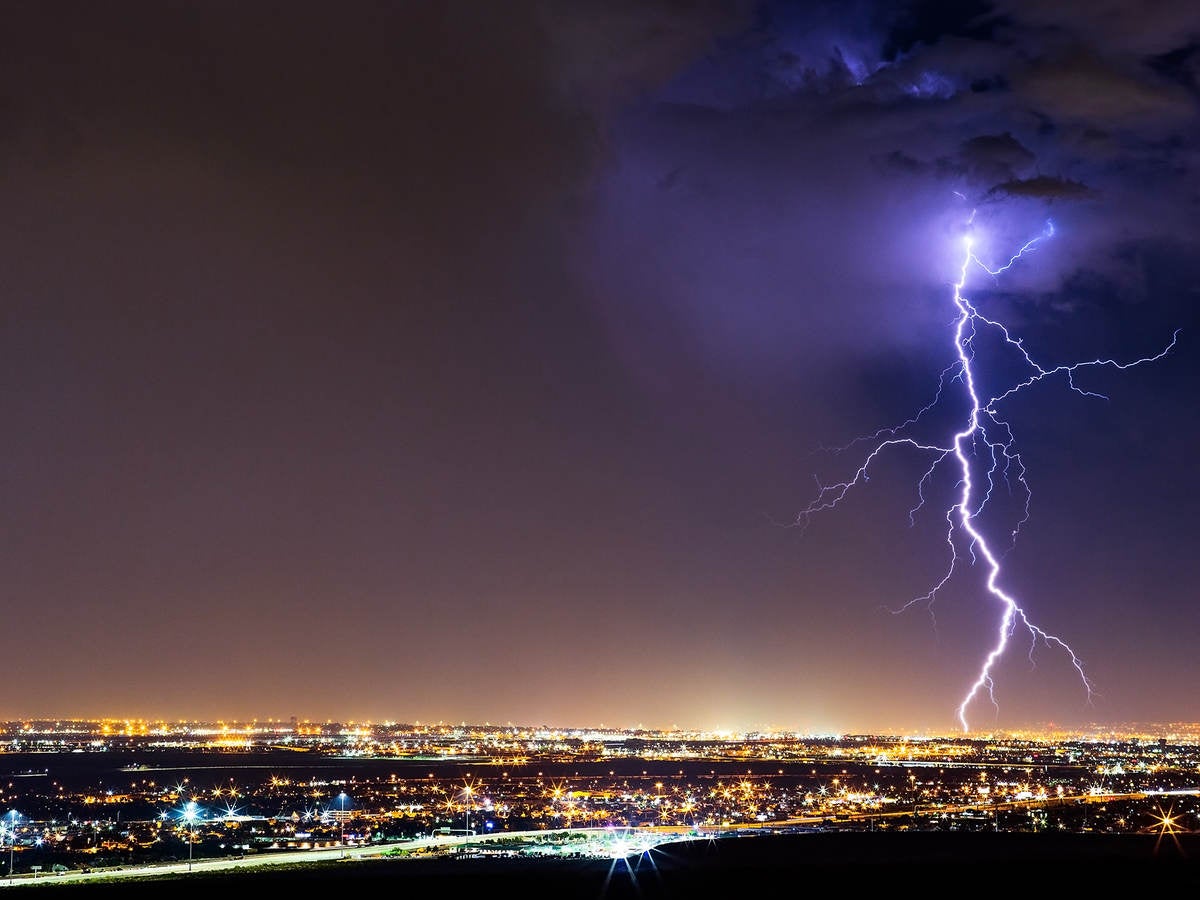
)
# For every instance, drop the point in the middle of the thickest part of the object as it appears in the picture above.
(482, 363)
(26, 734)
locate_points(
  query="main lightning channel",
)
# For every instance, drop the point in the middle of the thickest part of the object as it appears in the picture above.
(984, 428)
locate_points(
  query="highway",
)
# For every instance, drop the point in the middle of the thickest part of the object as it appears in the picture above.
(617, 842)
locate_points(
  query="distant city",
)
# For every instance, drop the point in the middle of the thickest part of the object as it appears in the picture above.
(109, 796)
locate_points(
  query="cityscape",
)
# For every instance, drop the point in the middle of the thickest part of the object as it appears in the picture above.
(86, 800)
(630, 448)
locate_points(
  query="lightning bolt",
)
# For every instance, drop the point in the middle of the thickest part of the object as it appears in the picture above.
(985, 442)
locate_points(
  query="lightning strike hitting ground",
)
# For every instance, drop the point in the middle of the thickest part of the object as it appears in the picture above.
(986, 442)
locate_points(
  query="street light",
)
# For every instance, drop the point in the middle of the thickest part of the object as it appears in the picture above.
(467, 792)
(12, 840)
(189, 815)
(342, 821)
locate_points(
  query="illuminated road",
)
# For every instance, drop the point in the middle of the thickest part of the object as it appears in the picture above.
(614, 842)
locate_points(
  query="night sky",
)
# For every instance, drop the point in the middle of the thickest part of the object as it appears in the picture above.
(469, 361)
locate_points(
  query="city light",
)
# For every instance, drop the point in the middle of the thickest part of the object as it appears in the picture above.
(467, 792)
(342, 820)
(189, 815)
(599, 794)
(1167, 824)
(13, 815)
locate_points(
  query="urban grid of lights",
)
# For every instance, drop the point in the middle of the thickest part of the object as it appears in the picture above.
(633, 781)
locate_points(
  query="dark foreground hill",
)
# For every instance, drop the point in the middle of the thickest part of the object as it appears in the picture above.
(908, 864)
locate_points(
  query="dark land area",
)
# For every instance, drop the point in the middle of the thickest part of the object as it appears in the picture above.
(900, 864)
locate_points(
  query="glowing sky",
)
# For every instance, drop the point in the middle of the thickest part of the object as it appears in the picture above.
(465, 361)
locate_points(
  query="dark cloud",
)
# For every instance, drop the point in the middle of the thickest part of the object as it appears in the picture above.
(1046, 187)
(992, 157)
(1120, 27)
(926, 23)
(1083, 88)
(989, 102)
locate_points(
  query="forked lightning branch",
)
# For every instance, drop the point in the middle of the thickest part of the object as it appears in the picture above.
(977, 456)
